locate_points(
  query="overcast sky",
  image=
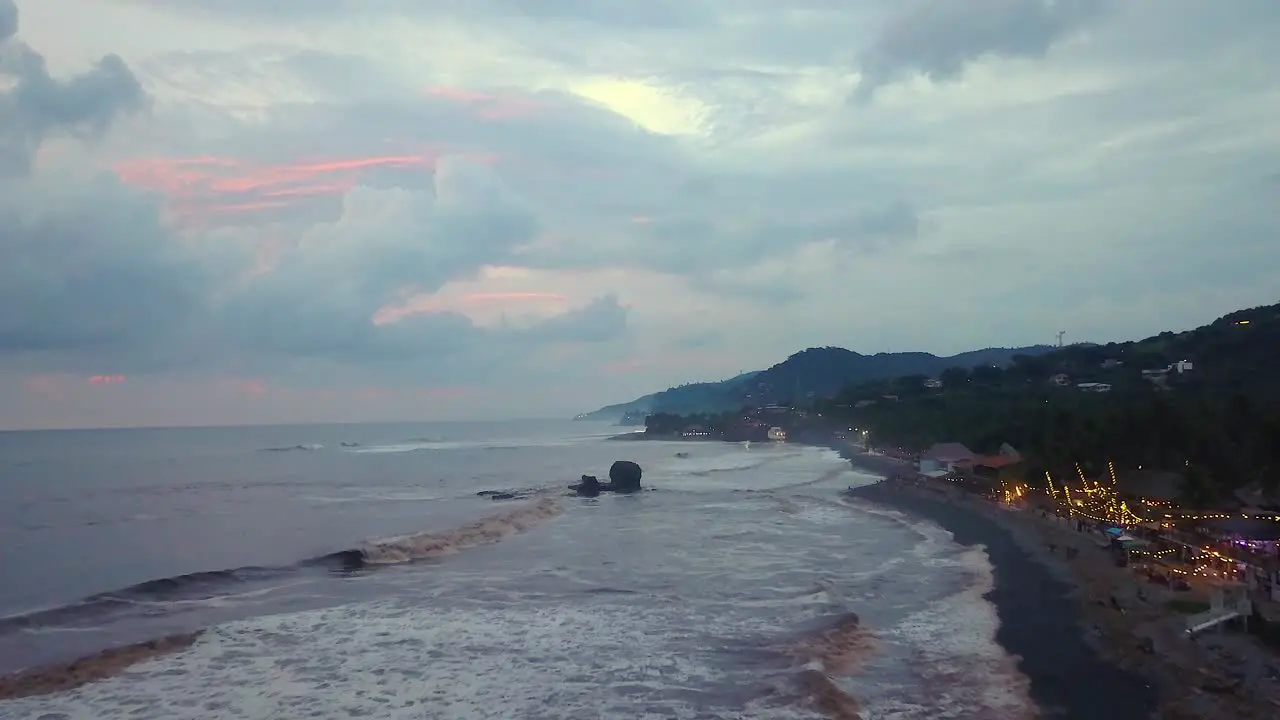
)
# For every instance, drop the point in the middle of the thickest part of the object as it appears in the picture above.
(254, 211)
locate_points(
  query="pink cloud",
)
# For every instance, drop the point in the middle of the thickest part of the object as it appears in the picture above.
(201, 188)
(105, 379)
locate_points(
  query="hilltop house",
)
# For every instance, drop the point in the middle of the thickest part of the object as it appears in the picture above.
(1160, 375)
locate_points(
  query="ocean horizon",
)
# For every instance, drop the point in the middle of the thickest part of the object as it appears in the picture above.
(338, 570)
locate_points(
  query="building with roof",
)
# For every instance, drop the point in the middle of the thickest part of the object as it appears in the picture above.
(944, 458)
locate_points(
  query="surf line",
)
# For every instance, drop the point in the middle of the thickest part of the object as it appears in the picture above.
(220, 583)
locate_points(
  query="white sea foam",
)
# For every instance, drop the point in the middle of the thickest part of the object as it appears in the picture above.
(952, 642)
(722, 467)
(391, 661)
(432, 444)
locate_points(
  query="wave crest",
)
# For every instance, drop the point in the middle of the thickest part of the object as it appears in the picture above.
(218, 585)
(423, 546)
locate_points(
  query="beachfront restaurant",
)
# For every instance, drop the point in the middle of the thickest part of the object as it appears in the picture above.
(1253, 546)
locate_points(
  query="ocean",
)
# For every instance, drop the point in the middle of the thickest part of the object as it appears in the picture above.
(353, 571)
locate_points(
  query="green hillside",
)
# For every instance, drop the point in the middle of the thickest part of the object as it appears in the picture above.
(805, 376)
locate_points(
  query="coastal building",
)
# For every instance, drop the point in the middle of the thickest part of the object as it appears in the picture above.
(933, 383)
(1253, 546)
(1112, 364)
(1061, 380)
(1096, 387)
(992, 472)
(695, 431)
(944, 458)
(777, 434)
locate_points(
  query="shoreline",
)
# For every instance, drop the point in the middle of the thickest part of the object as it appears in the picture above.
(1094, 639)
(1040, 624)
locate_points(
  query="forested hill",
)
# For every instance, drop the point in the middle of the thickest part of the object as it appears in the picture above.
(805, 376)
(1204, 403)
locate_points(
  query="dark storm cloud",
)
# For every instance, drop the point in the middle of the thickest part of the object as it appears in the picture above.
(38, 106)
(939, 38)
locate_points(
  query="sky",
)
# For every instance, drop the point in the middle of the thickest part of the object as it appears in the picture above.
(244, 212)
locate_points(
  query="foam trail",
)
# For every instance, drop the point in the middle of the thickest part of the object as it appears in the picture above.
(838, 649)
(423, 546)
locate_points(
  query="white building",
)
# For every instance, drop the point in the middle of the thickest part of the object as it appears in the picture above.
(777, 434)
(1094, 387)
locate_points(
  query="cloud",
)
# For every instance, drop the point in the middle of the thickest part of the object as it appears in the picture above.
(35, 105)
(515, 207)
(938, 39)
(90, 278)
(8, 20)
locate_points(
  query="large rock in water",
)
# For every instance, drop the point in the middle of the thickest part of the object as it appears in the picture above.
(624, 477)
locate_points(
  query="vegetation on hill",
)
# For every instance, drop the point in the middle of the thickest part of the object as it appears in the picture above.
(683, 399)
(805, 376)
(1217, 424)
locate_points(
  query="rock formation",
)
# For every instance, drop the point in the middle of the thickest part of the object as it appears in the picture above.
(588, 487)
(624, 477)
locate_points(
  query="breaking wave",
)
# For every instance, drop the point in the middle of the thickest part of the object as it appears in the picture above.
(215, 584)
(295, 448)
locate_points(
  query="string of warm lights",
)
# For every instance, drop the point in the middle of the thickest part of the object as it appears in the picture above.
(1099, 500)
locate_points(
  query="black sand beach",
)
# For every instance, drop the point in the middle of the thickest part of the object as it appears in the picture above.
(1039, 617)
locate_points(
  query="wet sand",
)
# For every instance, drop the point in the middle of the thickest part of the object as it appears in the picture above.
(108, 663)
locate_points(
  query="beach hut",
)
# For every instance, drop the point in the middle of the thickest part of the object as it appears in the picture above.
(943, 458)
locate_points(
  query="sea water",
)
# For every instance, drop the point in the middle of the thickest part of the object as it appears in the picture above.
(353, 571)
